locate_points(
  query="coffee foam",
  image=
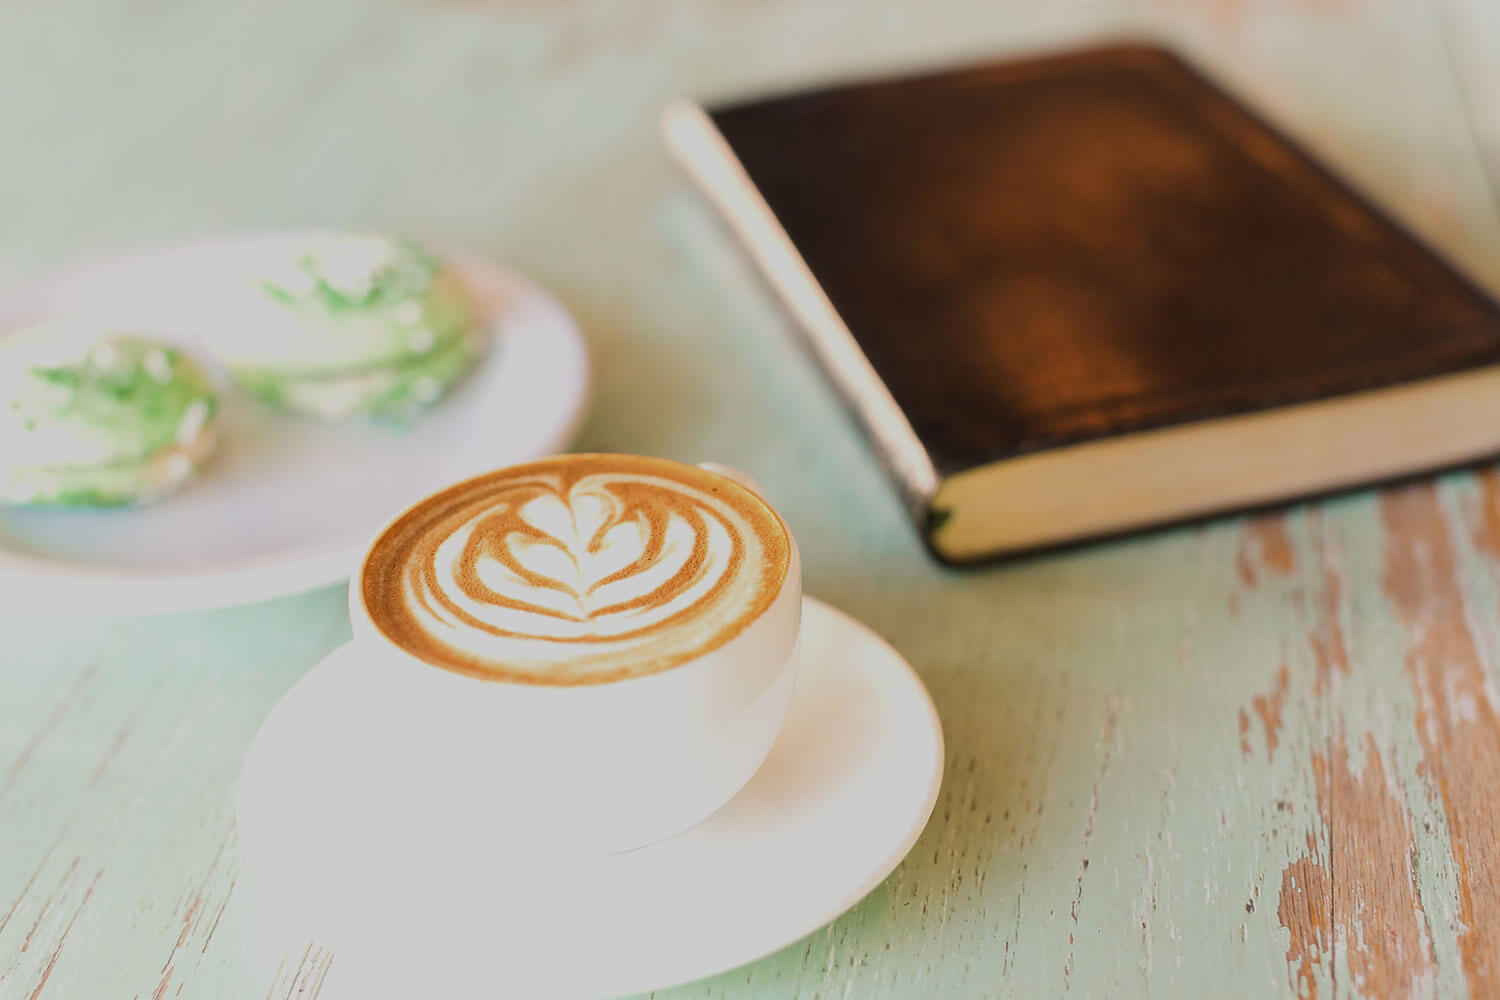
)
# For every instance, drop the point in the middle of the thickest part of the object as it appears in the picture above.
(580, 569)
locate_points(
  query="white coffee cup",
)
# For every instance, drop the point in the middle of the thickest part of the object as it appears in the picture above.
(573, 769)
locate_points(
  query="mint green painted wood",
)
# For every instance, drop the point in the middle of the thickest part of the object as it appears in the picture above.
(1158, 749)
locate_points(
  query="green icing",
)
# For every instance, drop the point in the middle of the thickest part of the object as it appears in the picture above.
(409, 393)
(363, 302)
(105, 423)
(127, 391)
(116, 484)
(403, 273)
(395, 393)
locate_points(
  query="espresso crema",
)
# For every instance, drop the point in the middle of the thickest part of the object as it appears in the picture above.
(579, 569)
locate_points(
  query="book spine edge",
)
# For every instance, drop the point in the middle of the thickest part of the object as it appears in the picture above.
(706, 157)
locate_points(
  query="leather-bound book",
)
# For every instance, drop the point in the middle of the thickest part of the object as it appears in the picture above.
(1088, 293)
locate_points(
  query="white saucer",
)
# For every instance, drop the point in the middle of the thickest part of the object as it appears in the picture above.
(287, 504)
(839, 802)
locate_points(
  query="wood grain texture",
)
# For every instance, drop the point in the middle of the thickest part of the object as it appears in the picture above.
(1256, 757)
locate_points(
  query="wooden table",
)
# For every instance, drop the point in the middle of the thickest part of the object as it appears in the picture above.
(1257, 757)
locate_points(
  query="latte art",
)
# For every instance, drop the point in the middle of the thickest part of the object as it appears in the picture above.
(576, 570)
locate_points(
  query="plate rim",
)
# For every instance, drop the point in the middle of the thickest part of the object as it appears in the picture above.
(46, 586)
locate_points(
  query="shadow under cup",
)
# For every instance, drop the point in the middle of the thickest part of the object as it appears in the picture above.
(590, 769)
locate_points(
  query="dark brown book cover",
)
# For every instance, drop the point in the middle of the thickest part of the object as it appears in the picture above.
(1037, 254)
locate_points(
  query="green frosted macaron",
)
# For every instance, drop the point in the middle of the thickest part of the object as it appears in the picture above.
(99, 422)
(398, 391)
(356, 326)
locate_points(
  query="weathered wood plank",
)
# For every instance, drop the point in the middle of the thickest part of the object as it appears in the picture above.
(116, 816)
(1456, 722)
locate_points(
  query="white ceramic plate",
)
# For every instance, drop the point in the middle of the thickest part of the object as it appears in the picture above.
(839, 802)
(287, 503)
